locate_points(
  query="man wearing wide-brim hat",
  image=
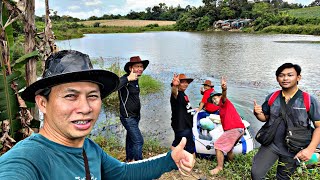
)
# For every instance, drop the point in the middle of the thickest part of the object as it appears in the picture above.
(130, 106)
(182, 112)
(70, 97)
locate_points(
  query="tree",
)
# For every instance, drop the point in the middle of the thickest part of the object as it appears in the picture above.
(209, 2)
(16, 120)
(204, 23)
(315, 3)
(227, 13)
(261, 9)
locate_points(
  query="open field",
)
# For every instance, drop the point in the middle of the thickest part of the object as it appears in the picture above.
(310, 12)
(132, 23)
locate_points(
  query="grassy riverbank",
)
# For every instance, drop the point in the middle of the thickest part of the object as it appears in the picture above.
(237, 169)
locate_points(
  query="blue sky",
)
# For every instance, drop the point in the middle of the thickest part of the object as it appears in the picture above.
(85, 8)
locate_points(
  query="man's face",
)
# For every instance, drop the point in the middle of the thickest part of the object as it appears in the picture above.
(216, 100)
(137, 68)
(288, 78)
(183, 85)
(206, 87)
(71, 111)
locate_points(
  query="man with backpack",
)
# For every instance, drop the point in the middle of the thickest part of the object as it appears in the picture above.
(293, 109)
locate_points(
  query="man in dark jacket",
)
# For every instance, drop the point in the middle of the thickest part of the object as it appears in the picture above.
(130, 106)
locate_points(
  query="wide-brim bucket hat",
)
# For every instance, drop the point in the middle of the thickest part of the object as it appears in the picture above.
(135, 60)
(71, 66)
(213, 94)
(184, 77)
(208, 83)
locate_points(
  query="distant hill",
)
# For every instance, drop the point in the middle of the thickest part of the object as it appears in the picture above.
(309, 12)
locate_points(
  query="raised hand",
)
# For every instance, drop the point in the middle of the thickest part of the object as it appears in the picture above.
(175, 80)
(183, 159)
(132, 76)
(257, 109)
(223, 83)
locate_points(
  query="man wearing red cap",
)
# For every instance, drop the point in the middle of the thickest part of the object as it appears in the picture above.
(130, 106)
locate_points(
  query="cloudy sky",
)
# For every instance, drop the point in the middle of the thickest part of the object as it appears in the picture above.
(84, 9)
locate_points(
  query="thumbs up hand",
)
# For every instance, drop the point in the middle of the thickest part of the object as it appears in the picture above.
(132, 76)
(257, 109)
(183, 159)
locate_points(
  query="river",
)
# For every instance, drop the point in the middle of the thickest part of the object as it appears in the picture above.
(248, 61)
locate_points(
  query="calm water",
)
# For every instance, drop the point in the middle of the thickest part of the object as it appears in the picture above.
(249, 62)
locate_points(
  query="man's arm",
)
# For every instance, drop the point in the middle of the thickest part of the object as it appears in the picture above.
(258, 112)
(224, 89)
(126, 78)
(200, 106)
(306, 153)
(150, 168)
(175, 84)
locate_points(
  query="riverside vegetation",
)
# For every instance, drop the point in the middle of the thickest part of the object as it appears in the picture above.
(275, 17)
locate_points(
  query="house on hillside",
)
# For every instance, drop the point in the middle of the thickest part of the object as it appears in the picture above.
(232, 24)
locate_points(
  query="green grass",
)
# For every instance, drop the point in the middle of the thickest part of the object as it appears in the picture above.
(309, 12)
(238, 169)
(293, 29)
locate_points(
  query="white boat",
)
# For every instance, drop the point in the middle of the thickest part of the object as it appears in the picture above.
(204, 140)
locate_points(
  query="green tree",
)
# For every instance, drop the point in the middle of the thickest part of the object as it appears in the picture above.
(261, 9)
(204, 23)
(227, 13)
(315, 3)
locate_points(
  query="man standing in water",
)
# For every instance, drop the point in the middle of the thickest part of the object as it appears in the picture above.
(70, 96)
(288, 76)
(130, 106)
(181, 120)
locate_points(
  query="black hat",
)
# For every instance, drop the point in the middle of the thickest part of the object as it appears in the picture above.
(71, 66)
(135, 60)
(213, 94)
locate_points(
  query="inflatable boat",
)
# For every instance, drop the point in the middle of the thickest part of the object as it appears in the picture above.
(204, 138)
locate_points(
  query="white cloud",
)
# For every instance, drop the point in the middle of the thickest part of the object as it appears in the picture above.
(84, 14)
(74, 7)
(92, 3)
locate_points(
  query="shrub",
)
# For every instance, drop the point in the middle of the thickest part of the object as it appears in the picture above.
(96, 24)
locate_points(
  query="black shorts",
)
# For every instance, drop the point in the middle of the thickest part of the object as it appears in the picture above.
(187, 133)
